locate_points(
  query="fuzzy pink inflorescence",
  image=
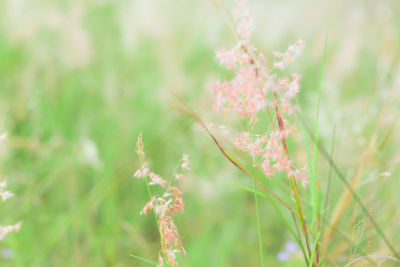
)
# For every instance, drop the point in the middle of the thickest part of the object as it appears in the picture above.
(164, 206)
(256, 88)
(4, 195)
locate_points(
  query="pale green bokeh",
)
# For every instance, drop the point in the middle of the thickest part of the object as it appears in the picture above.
(79, 80)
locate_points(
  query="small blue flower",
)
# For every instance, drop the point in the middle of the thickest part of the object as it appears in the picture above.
(291, 247)
(283, 256)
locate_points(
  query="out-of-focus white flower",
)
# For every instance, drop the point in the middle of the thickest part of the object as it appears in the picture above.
(3, 137)
(91, 153)
(3, 185)
(385, 174)
(5, 230)
(185, 162)
(4, 194)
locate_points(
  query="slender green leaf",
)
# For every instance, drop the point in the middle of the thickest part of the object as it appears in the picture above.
(144, 260)
(315, 248)
(329, 178)
(341, 176)
(313, 180)
(289, 226)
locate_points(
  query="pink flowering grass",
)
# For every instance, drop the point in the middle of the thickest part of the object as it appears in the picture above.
(254, 88)
(262, 87)
(260, 90)
(164, 205)
(4, 195)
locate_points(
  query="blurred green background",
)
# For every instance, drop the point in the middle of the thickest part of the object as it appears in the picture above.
(79, 80)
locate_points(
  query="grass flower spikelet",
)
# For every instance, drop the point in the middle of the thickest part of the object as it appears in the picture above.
(164, 206)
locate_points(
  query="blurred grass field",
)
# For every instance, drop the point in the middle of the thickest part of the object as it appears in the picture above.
(79, 80)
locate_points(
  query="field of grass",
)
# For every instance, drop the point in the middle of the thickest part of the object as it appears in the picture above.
(80, 80)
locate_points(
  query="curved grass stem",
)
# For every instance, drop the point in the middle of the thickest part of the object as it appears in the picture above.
(256, 203)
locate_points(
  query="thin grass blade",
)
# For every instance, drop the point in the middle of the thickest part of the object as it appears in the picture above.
(355, 196)
(313, 180)
(144, 260)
